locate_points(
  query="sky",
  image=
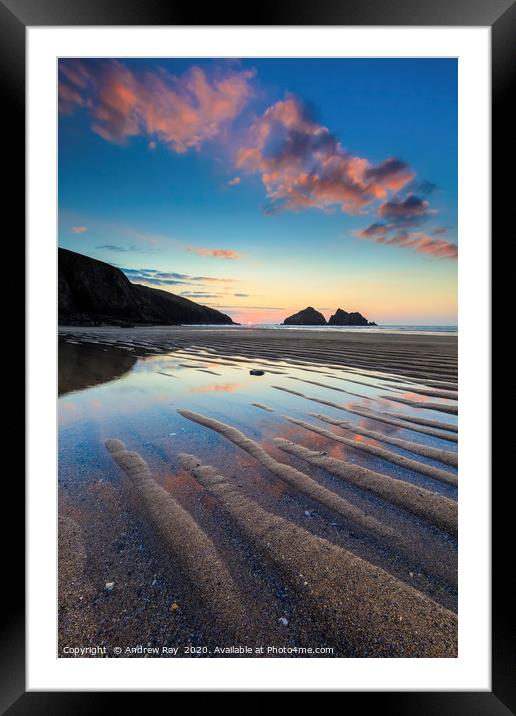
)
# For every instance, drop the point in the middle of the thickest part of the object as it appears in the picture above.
(262, 186)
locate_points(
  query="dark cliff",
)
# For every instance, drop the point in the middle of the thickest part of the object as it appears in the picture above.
(93, 292)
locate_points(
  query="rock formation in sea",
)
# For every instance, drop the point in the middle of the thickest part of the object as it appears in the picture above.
(308, 317)
(92, 292)
(343, 318)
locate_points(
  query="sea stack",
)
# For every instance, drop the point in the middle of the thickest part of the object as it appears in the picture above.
(308, 317)
(343, 318)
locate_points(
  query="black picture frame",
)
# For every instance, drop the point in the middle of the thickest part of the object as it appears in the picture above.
(500, 15)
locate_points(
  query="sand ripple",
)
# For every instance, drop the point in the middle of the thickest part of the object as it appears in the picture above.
(361, 607)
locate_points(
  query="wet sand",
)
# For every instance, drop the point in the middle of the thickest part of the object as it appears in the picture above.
(245, 521)
(415, 356)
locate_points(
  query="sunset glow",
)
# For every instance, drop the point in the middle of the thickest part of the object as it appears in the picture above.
(263, 186)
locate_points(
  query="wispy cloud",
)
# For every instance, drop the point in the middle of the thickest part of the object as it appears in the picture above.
(201, 294)
(425, 244)
(78, 229)
(216, 280)
(112, 247)
(154, 277)
(147, 242)
(402, 227)
(180, 111)
(393, 235)
(264, 308)
(214, 253)
(234, 181)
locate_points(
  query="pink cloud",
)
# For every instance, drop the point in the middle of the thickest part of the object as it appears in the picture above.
(210, 279)
(303, 165)
(79, 229)
(425, 244)
(69, 98)
(419, 241)
(374, 231)
(182, 112)
(300, 162)
(214, 253)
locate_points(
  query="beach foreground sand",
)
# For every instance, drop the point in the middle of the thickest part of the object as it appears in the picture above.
(314, 505)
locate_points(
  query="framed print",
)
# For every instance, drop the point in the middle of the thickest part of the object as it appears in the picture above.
(258, 290)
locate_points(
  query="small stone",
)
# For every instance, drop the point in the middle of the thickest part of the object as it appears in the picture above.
(174, 606)
(283, 620)
(109, 586)
(307, 513)
(256, 371)
(411, 574)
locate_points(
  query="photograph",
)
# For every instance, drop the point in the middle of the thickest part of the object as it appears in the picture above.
(257, 357)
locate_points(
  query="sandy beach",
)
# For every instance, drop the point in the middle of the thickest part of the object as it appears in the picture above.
(310, 509)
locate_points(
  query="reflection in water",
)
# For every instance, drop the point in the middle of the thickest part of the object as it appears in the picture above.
(83, 366)
(119, 394)
(216, 388)
(138, 402)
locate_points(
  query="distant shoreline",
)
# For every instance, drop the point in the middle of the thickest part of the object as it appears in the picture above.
(415, 330)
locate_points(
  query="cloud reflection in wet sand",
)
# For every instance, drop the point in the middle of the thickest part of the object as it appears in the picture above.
(216, 388)
(140, 408)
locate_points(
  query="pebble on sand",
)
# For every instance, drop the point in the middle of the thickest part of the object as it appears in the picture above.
(109, 586)
(283, 621)
(256, 371)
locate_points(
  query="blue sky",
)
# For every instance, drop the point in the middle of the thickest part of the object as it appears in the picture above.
(268, 185)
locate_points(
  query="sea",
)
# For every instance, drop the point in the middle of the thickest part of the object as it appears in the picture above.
(394, 328)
